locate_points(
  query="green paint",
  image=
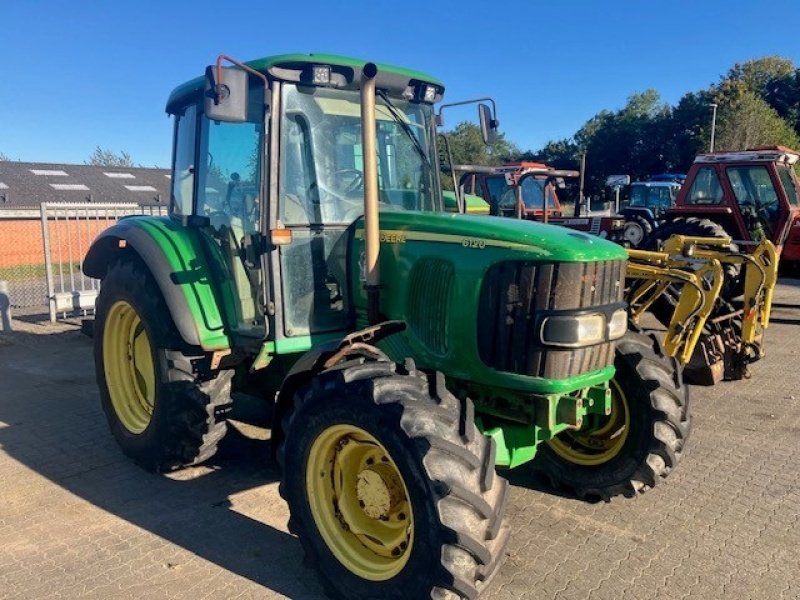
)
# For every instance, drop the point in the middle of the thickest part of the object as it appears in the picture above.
(192, 88)
(475, 205)
(472, 244)
(288, 346)
(264, 357)
(183, 252)
(517, 442)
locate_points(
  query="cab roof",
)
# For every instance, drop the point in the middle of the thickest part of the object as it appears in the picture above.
(761, 154)
(273, 66)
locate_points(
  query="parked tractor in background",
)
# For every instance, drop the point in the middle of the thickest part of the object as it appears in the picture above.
(748, 196)
(404, 351)
(646, 204)
(529, 190)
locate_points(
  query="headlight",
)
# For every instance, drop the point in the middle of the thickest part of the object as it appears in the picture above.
(573, 331)
(618, 324)
(582, 330)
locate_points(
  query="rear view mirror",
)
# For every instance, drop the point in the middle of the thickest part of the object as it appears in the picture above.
(226, 99)
(488, 124)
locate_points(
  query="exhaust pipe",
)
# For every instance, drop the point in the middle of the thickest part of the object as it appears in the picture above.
(370, 173)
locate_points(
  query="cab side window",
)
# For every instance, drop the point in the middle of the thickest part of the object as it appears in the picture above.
(706, 188)
(183, 167)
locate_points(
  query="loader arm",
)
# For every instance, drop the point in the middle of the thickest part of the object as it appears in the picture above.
(710, 337)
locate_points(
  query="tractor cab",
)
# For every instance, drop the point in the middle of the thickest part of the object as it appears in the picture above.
(753, 195)
(269, 156)
(529, 190)
(526, 189)
(654, 196)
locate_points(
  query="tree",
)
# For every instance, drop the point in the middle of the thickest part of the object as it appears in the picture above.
(467, 147)
(748, 121)
(108, 158)
(4, 156)
(633, 140)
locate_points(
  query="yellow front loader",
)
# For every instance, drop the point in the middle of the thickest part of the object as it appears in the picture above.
(680, 285)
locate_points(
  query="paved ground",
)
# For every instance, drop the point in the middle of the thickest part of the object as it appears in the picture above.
(77, 520)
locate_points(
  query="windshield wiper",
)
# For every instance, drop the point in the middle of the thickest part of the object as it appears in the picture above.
(395, 112)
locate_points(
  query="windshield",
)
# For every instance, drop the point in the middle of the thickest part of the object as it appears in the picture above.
(646, 196)
(789, 181)
(321, 167)
(533, 193)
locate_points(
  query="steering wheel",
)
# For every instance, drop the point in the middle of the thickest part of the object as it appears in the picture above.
(345, 187)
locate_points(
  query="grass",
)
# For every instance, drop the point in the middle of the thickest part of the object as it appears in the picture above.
(33, 271)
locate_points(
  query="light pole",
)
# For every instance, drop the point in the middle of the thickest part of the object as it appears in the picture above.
(713, 106)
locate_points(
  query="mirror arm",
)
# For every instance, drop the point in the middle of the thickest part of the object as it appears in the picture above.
(241, 65)
(473, 101)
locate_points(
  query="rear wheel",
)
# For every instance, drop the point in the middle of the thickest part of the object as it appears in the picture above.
(639, 443)
(163, 405)
(392, 490)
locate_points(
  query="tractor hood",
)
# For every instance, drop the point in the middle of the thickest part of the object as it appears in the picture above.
(520, 239)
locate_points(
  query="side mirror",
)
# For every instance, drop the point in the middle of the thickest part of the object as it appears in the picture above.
(488, 124)
(226, 99)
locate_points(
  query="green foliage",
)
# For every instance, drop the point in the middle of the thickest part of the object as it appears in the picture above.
(466, 144)
(748, 121)
(758, 104)
(108, 158)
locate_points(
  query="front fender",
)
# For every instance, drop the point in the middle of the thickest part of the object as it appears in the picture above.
(173, 254)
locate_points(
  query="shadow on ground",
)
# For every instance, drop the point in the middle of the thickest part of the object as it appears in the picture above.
(63, 436)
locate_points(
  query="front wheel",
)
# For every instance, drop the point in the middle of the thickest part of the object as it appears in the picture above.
(391, 489)
(637, 228)
(639, 443)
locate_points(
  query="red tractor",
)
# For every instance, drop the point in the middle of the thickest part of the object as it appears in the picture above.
(528, 190)
(747, 195)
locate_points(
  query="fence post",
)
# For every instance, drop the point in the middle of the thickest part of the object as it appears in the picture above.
(48, 264)
(5, 307)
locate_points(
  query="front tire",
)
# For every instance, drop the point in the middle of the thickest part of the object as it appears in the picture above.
(643, 439)
(392, 491)
(163, 405)
(636, 231)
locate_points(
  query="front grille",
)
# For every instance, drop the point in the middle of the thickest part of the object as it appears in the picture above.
(429, 299)
(513, 296)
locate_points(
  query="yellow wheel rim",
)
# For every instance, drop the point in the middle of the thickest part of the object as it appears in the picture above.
(129, 368)
(600, 443)
(359, 502)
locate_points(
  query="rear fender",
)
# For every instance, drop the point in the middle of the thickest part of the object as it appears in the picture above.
(174, 257)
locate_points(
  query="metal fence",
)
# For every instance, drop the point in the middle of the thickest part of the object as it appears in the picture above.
(41, 251)
(67, 233)
(22, 258)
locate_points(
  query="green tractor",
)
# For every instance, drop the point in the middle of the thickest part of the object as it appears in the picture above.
(405, 351)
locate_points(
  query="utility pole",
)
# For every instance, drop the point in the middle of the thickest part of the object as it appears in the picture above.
(713, 106)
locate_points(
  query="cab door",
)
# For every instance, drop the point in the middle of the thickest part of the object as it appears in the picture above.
(217, 189)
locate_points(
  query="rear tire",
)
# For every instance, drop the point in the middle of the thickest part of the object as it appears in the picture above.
(180, 420)
(650, 436)
(692, 226)
(456, 503)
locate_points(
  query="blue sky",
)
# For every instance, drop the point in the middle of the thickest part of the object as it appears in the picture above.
(78, 74)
